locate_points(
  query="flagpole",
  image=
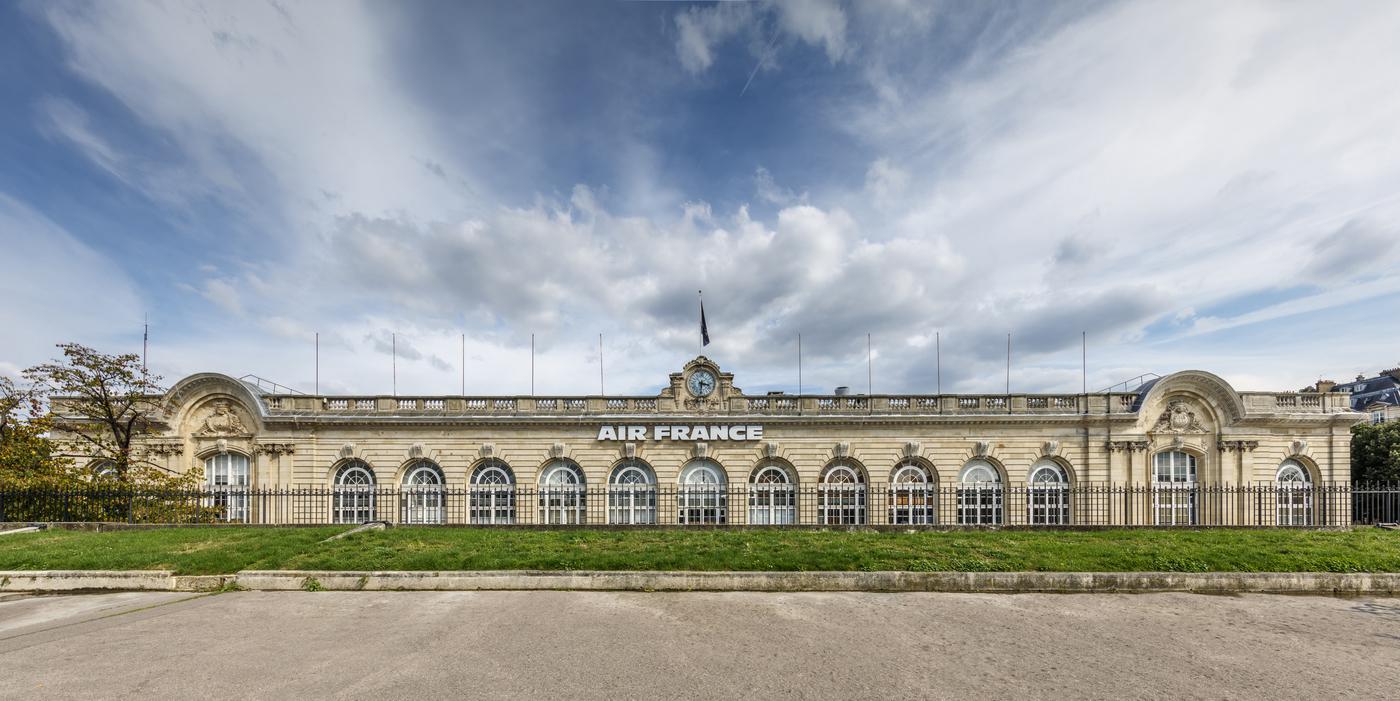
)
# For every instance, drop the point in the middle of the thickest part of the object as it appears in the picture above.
(701, 296)
(394, 353)
(464, 365)
(318, 363)
(938, 359)
(601, 391)
(1008, 373)
(532, 365)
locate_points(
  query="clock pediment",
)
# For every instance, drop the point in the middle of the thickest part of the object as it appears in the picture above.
(701, 386)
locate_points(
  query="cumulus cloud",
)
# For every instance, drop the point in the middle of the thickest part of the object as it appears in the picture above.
(1101, 169)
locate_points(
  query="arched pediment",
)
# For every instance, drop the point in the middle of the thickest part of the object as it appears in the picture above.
(1195, 389)
(193, 392)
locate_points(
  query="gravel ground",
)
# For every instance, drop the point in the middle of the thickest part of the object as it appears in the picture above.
(636, 645)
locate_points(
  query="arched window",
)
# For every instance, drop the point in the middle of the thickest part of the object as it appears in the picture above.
(1294, 489)
(772, 497)
(492, 498)
(841, 496)
(632, 494)
(353, 494)
(1047, 494)
(703, 495)
(562, 493)
(979, 494)
(228, 482)
(104, 472)
(913, 497)
(1174, 490)
(423, 484)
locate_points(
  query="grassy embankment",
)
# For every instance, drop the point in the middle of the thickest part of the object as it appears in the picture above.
(228, 550)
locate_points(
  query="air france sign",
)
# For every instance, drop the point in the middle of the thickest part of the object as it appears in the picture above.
(666, 432)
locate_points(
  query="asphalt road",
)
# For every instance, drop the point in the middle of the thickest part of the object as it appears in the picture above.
(415, 645)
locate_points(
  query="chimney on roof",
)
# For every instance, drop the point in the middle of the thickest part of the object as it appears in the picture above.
(842, 391)
(1325, 386)
(1393, 372)
(1360, 377)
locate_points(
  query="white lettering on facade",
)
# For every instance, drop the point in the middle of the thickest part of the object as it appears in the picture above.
(680, 433)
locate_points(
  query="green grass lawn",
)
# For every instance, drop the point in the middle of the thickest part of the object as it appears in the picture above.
(230, 549)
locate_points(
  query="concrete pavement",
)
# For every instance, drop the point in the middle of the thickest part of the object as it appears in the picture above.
(639, 645)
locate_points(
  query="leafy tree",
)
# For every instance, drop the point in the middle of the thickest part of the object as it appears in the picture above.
(104, 402)
(27, 457)
(1375, 451)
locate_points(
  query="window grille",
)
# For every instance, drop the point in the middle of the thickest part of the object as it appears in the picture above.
(632, 494)
(702, 497)
(772, 497)
(1294, 495)
(980, 495)
(913, 499)
(492, 499)
(228, 485)
(562, 496)
(841, 497)
(352, 499)
(1174, 489)
(1047, 494)
(423, 493)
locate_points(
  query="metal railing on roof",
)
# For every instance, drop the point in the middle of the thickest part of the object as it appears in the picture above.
(1131, 383)
(268, 386)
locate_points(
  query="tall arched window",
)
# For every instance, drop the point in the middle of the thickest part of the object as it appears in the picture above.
(423, 484)
(1174, 488)
(703, 495)
(979, 494)
(1294, 489)
(352, 497)
(228, 482)
(562, 493)
(632, 494)
(913, 498)
(841, 496)
(104, 471)
(772, 497)
(1047, 494)
(492, 499)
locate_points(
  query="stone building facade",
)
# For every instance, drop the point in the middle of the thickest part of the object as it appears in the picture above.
(703, 451)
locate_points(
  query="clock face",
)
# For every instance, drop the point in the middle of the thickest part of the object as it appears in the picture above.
(701, 383)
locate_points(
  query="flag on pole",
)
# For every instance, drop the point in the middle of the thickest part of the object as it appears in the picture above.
(704, 330)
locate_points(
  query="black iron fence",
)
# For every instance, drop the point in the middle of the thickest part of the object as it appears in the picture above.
(740, 504)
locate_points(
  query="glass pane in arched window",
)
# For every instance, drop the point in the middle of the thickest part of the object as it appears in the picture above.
(772, 497)
(632, 494)
(702, 496)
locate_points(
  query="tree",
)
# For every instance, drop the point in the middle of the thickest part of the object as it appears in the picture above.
(27, 456)
(105, 402)
(1375, 451)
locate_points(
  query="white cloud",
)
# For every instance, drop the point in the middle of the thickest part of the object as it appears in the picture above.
(57, 289)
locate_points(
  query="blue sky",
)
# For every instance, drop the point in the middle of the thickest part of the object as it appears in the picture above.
(1195, 185)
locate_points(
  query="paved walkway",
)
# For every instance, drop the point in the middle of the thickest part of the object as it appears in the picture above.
(415, 645)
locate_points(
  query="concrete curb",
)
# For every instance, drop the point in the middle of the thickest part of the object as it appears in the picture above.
(109, 580)
(988, 582)
(1321, 583)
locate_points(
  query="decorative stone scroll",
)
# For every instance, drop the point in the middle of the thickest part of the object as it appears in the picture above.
(557, 450)
(770, 449)
(629, 451)
(415, 451)
(276, 449)
(700, 450)
(842, 450)
(1300, 447)
(165, 447)
(347, 451)
(912, 449)
(1126, 446)
(222, 420)
(1178, 418)
(487, 450)
(1050, 449)
(1238, 446)
(981, 449)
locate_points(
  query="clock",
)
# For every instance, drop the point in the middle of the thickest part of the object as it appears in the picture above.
(701, 383)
